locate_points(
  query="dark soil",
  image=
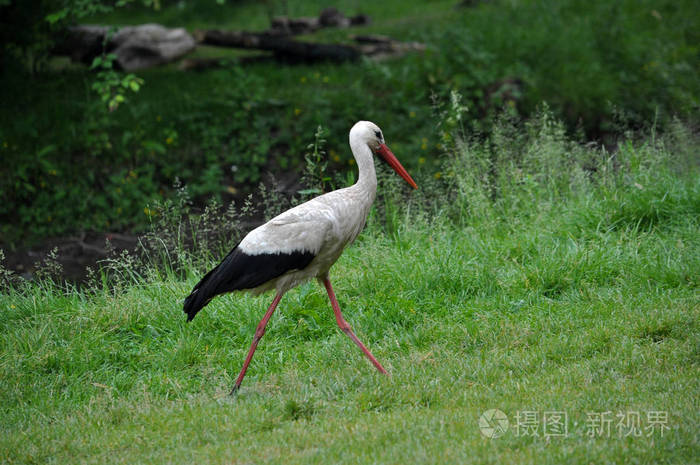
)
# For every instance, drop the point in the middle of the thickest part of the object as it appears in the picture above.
(74, 253)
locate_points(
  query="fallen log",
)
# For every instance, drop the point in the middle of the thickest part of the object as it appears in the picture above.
(283, 48)
(287, 49)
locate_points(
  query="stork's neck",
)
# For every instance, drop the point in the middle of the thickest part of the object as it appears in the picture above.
(367, 179)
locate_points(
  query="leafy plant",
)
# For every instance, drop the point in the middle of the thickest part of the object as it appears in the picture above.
(110, 85)
(315, 176)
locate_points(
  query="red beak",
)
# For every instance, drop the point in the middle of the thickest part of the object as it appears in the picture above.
(390, 158)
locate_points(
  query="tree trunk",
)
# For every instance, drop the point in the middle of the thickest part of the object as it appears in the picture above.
(282, 46)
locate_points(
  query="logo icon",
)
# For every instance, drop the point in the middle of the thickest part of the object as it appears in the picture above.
(493, 423)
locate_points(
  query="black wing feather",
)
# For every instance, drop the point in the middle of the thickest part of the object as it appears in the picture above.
(242, 271)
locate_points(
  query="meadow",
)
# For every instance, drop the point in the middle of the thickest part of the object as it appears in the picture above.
(552, 280)
(547, 267)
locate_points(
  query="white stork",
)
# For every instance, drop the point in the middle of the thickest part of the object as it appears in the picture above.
(302, 243)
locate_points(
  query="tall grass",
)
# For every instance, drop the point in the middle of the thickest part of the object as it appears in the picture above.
(534, 274)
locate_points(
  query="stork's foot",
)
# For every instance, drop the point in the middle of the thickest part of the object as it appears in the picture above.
(364, 349)
(235, 389)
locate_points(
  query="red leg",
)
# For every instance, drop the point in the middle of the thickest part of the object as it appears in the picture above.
(259, 332)
(346, 327)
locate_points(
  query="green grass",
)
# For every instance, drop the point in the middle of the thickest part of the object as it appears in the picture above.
(523, 284)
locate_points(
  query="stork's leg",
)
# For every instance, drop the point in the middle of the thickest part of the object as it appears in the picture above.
(346, 327)
(259, 332)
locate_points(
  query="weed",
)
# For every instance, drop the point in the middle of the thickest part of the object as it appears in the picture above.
(49, 269)
(315, 177)
(8, 279)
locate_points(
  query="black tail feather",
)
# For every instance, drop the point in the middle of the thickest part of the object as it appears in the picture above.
(193, 304)
(199, 297)
(208, 287)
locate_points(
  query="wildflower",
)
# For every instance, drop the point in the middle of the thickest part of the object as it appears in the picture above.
(158, 118)
(424, 144)
(169, 140)
(412, 114)
(119, 210)
(303, 79)
(437, 175)
(148, 211)
(325, 79)
(12, 306)
(351, 162)
(297, 111)
(421, 160)
(53, 172)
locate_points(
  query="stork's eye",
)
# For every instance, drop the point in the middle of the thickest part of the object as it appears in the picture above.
(378, 134)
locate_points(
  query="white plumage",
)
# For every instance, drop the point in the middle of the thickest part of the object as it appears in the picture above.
(303, 242)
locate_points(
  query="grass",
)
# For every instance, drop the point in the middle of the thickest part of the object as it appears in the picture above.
(523, 284)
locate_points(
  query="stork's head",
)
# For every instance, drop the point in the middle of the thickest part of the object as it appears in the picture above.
(366, 132)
